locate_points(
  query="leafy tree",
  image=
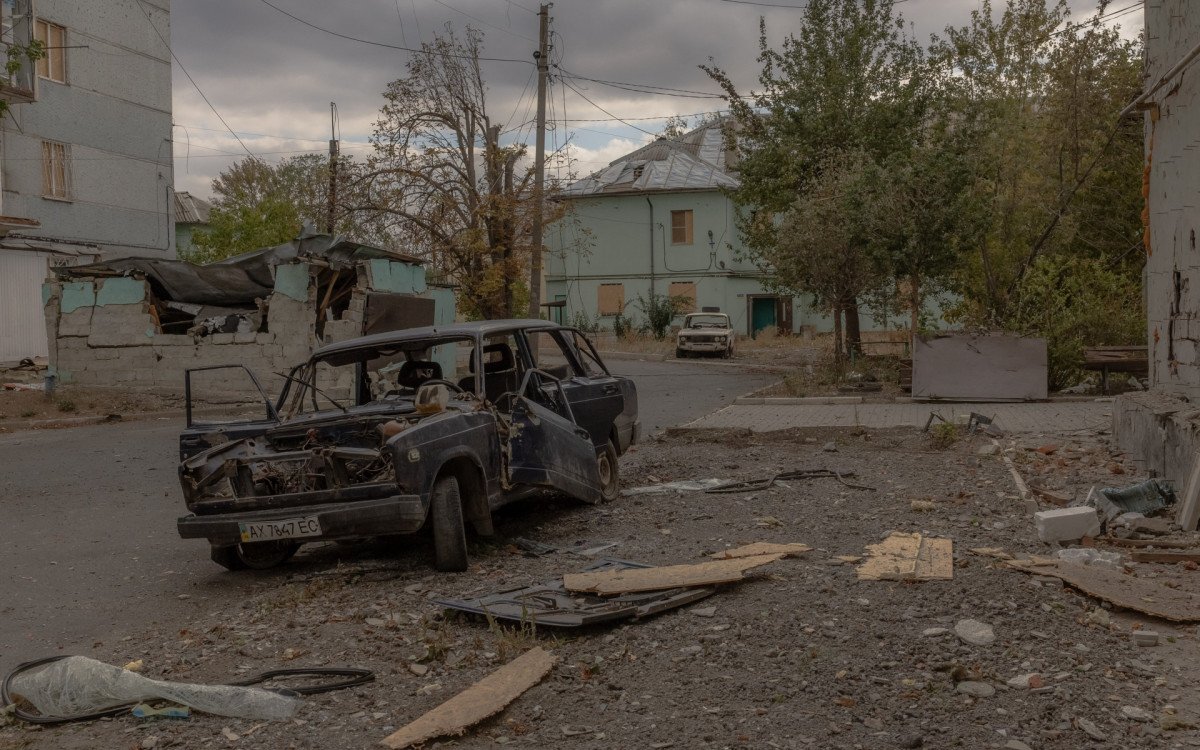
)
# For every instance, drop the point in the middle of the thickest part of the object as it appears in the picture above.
(848, 81)
(441, 175)
(237, 228)
(822, 243)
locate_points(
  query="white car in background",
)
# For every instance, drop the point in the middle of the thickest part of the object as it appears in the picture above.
(705, 333)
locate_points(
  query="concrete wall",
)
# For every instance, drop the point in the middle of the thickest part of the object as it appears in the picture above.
(115, 112)
(103, 334)
(1173, 209)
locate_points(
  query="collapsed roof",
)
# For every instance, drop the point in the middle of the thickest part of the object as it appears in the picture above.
(236, 281)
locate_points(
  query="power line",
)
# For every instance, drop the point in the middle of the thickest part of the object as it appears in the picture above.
(780, 5)
(360, 40)
(645, 88)
(485, 23)
(189, 77)
(605, 111)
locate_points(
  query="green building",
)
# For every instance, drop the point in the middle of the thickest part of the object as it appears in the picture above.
(191, 213)
(656, 220)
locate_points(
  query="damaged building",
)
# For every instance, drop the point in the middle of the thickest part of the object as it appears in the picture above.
(1161, 428)
(141, 322)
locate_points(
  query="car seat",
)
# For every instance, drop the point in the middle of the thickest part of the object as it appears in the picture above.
(414, 372)
(499, 372)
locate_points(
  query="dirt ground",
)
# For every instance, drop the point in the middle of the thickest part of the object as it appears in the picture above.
(70, 402)
(801, 655)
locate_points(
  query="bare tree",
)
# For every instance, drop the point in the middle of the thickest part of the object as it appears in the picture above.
(464, 200)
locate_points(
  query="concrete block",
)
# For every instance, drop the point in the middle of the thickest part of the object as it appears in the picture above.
(1145, 638)
(172, 339)
(222, 338)
(1066, 524)
(264, 338)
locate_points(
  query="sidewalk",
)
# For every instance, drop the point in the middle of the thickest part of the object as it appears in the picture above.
(1041, 417)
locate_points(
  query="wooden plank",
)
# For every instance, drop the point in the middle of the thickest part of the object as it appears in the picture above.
(483, 699)
(633, 580)
(1189, 503)
(1121, 590)
(908, 557)
(762, 548)
(1165, 557)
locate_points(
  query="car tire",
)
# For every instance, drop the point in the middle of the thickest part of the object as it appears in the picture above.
(449, 531)
(727, 354)
(256, 556)
(610, 477)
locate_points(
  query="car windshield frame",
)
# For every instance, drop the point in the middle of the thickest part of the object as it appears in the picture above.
(303, 376)
(721, 320)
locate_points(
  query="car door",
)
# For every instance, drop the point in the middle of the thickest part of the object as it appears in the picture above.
(594, 396)
(546, 449)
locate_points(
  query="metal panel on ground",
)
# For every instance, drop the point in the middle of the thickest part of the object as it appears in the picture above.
(22, 324)
(979, 368)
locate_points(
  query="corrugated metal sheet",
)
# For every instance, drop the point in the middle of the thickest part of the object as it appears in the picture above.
(189, 209)
(22, 325)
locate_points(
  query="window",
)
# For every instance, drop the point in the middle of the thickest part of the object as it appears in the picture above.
(54, 65)
(686, 290)
(611, 299)
(549, 354)
(56, 170)
(681, 227)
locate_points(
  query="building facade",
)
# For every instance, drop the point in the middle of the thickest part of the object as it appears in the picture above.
(85, 149)
(191, 213)
(657, 221)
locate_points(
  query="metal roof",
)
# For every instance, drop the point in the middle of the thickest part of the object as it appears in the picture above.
(189, 209)
(473, 329)
(697, 160)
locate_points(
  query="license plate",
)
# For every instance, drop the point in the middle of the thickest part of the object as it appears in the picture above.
(284, 528)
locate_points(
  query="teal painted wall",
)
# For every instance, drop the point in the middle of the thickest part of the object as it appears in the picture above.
(397, 276)
(606, 240)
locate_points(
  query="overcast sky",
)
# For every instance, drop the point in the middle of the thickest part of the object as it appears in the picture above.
(272, 78)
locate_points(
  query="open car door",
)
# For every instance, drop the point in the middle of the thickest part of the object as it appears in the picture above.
(546, 449)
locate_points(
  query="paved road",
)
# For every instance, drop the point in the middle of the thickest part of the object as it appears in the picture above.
(88, 550)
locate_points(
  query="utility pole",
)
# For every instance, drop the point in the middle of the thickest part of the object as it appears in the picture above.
(542, 57)
(333, 162)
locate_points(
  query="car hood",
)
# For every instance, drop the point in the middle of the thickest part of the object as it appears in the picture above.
(706, 332)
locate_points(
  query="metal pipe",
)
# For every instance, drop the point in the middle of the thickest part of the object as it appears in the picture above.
(652, 289)
(1162, 80)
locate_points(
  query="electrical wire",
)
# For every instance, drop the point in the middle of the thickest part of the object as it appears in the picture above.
(189, 77)
(485, 23)
(360, 40)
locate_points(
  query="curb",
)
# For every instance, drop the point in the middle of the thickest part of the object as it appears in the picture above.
(798, 401)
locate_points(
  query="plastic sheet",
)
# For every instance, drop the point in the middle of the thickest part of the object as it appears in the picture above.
(79, 685)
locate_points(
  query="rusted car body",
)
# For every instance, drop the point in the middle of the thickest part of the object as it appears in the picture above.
(384, 434)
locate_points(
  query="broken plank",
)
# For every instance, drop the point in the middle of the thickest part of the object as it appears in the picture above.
(762, 548)
(483, 699)
(668, 577)
(1061, 499)
(908, 557)
(1164, 557)
(1121, 590)
(1162, 543)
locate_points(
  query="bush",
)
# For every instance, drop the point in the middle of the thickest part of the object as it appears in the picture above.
(622, 326)
(660, 310)
(584, 322)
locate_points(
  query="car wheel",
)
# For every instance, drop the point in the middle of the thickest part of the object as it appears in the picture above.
(449, 533)
(610, 478)
(728, 353)
(256, 556)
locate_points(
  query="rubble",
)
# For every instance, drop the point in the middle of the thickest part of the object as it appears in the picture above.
(1066, 524)
(974, 632)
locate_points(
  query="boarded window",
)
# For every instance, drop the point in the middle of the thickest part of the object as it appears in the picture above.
(56, 170)
(611, 299)
(681, 227)
(54, 37)
(685, 290)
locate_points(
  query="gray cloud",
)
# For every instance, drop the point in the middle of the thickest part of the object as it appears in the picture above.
(269, 74)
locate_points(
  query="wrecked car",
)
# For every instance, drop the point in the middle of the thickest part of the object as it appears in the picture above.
(705, 333)
(394, 432)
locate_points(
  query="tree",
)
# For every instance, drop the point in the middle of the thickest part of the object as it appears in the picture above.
(822, 243)
(440, 172)
(847, 81)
